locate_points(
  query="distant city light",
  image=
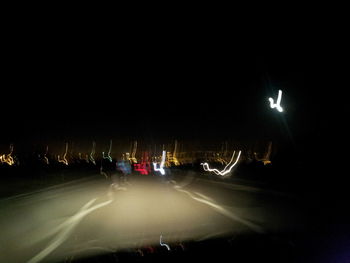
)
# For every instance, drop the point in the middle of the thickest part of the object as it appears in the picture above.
(141, 167)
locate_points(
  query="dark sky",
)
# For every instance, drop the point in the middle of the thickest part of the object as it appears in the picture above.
(211, 86)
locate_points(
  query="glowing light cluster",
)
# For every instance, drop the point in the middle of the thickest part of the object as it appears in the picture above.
(175, 160)
(161, 166)
(144, 167)
(141, 168)
(277, 105)
(226, 170)
(7, 158)
(172, 157)
(124, 166)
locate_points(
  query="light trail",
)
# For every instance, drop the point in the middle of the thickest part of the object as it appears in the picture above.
(109, 152)
(7, 158)
(163, 244)
(141, 167)
(144, 167)
(65, 229)
(91, 156)
(133, 153)
(224, 171)
(266, 158)
(64, 160)
(174, 156)
(277, 105)
(161, 166)
(102, 172)
(45, 155)
(221, 210)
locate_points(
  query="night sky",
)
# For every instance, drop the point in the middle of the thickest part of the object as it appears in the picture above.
(208, 87)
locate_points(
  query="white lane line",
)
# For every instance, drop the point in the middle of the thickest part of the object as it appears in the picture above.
(50, 188)
(204, 196)
(223, 211)
(67, 228)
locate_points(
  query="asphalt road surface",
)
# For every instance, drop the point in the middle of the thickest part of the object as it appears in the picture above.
(94, 216)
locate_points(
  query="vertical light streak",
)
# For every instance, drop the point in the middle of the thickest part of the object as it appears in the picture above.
(133, 159)
(163, 244)
(133, 154)
(9, 157)
(91, 157)
(222, 155)
(45, 155)
(109, 152)
(64, 160)
(102, 172)
(144, 167)
(277, 105)
(140, 167)
(266, 158)
(161, 167)
(174, 159)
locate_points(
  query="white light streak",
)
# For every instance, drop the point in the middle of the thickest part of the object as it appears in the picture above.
(8, 157)
(163, 244)
(109, 153)
(91, 157)
(277, 105)
(45, 155)
(161, 167)
(221, 210)
(65, 229)
(224, 171)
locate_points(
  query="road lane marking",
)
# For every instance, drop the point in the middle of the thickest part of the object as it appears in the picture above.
(223, 211)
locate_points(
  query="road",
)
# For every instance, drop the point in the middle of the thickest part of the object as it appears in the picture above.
(92, 216)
